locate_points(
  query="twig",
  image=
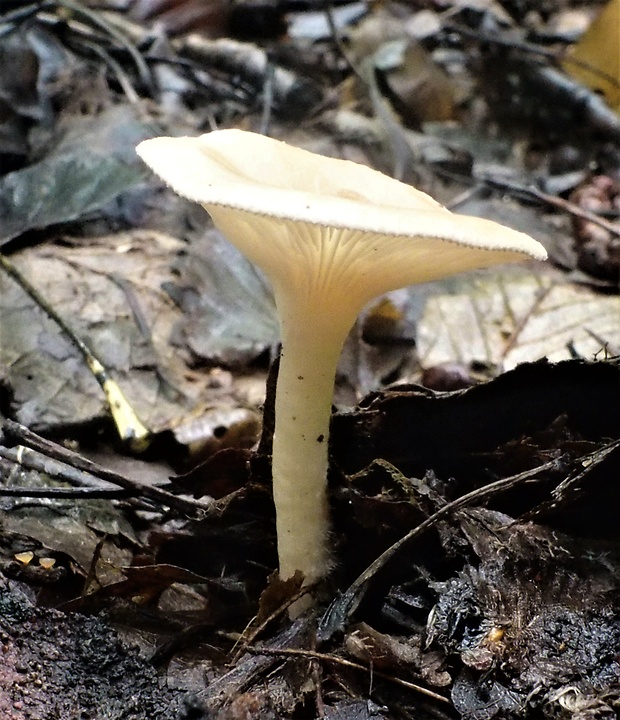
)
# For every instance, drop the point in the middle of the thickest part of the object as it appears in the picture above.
(611, 349)
(521, 323)
(337, 40)
(95, 19)
(265, 120)
(91, 576)
(115, 66)
(572, 483)
(317, 681)
(527, 47)
(57, 493)
(20, 15)
(161, 497)
(394, 136)
(246, 64)
(85, 484)
(244, 642)
(556, 202)
(129, 427)
(326, 657)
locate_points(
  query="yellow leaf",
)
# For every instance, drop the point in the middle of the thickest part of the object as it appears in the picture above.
(599, 50)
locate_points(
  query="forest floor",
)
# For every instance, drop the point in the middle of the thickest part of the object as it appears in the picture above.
(475, 440)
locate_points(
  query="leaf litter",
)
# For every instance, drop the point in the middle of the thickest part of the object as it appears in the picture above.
(493, 506)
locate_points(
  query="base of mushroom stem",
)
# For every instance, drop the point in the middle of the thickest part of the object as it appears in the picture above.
(299, 607)
(284, 590)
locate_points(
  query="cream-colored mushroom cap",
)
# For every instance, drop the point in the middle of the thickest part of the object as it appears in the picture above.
(418, 239)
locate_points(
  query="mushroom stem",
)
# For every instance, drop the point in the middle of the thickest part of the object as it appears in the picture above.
(303, 404)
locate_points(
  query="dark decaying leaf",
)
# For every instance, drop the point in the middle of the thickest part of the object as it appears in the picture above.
(414, 429)
(277, 595)
(513, 636)
(238, 546)
(220, 475)
(508, 428)
(92, 165)
(228, 308)
(42, 71)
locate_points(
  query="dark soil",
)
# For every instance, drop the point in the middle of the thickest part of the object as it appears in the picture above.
(58, 666)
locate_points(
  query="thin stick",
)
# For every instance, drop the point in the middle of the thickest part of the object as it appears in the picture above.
(529, 48)
(129, 427)
(253, 633)
(161, 497)
(97, 20)
(554, 201)
(84, 484)
(326, 657)
(117, 69)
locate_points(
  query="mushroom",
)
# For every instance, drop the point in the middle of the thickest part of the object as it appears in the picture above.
(331, 235)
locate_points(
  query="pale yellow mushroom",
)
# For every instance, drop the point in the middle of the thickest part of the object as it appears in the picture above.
(331, 235)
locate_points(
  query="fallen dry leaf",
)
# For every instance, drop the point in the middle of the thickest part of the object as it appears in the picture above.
(503, 319)
(91, 285)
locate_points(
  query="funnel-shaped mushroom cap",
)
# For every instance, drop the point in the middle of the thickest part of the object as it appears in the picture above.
(381, 233)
